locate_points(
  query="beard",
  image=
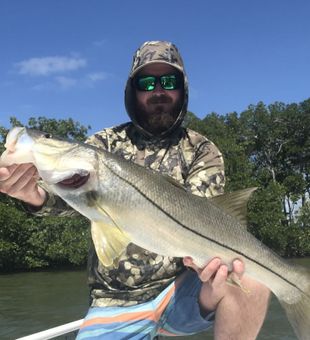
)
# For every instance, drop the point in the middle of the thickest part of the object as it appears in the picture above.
(158, 114)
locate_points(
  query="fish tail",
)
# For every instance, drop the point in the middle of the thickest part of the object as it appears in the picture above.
(297, 307)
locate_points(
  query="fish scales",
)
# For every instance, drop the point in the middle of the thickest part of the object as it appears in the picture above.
(229, 234)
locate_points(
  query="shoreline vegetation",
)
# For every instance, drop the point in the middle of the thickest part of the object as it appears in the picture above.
(264, 146)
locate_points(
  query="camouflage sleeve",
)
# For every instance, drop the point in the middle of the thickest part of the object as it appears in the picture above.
(100, 140)
(206, 174)
(54, 205)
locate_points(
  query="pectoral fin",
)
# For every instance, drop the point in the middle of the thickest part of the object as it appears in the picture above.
(109, 241)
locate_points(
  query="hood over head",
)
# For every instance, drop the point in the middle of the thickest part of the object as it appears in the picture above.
(149, 53)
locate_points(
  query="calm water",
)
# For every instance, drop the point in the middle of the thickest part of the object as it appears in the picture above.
(31, 302)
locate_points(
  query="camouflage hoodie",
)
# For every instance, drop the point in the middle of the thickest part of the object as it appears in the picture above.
(183, 154)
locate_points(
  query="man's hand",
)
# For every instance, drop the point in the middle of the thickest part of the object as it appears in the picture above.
(20, 181)
(214, 276)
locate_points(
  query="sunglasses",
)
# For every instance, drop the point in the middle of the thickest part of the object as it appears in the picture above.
(148, 83)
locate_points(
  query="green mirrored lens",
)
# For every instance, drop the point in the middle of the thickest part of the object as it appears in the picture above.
(168, 82)
(146, 83)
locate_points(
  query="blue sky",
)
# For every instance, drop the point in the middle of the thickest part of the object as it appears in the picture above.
(71, 58)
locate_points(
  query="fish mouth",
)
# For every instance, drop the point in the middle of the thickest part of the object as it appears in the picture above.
(74, 182)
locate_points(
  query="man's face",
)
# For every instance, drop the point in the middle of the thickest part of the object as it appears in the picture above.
(157, 110)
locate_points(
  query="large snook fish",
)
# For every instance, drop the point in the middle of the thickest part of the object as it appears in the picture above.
(127, 203)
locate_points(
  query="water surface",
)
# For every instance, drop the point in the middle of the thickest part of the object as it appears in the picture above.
(32, 302)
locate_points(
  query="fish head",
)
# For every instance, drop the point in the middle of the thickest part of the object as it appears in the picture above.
(59, 162)
(18, 147)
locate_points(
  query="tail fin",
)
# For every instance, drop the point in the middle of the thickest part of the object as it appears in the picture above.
(298, 312)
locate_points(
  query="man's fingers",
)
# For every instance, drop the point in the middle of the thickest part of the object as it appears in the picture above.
(6, 172)
(188, 262)
(210, 270)
(20, 181)
(18, 176)
(206, 273)
(26, 176)
(31, 185)
(220, 276)
(215, 269)
(238, 268)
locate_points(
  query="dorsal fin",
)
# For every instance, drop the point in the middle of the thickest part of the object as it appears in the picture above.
(235, 203)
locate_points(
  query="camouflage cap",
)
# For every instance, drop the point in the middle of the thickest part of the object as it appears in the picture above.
(156, 52)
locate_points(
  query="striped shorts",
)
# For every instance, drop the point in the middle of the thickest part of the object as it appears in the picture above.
(174, 312)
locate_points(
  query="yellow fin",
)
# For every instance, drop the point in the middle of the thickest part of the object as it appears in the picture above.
(234, 281)
(109, 241)
(235, 203)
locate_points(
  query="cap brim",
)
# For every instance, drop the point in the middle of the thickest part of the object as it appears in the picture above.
(178, 67)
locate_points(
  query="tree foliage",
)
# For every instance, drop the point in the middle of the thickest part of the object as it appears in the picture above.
(65, 128)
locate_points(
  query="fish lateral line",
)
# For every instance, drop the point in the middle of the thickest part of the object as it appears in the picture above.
(199, 234)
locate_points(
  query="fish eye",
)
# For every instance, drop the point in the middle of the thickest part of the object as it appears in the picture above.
(48, 135)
